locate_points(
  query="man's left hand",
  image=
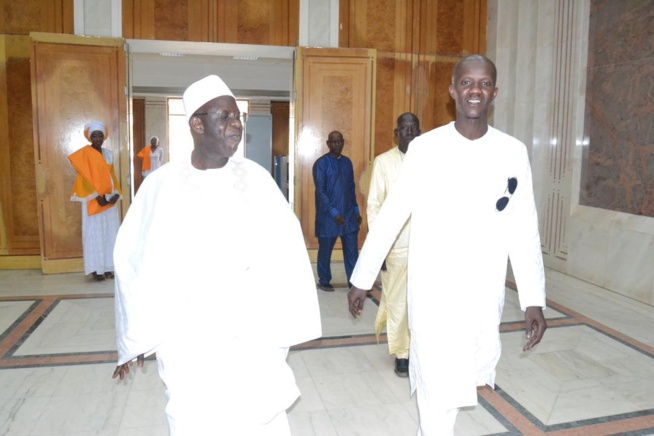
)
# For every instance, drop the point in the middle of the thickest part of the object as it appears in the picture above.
(535, 326)
(359, 219)
(122, 370)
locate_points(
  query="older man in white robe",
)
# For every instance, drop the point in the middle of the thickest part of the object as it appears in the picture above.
(468, 190)
(214, 277)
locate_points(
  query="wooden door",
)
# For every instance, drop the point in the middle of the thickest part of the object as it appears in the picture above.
(139, 141)
(335, 91)
(75, 80)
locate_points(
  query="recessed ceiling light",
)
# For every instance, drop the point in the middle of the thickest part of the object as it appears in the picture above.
(172, 55)
(245, 58)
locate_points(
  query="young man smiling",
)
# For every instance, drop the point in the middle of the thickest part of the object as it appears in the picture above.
(468, 190)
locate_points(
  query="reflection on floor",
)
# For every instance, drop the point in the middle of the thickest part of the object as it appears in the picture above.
(592, 375)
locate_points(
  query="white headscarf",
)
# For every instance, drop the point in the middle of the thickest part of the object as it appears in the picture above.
(202, 91)
(94, 126)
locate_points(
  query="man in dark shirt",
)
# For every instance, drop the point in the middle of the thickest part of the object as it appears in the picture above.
(337, 212)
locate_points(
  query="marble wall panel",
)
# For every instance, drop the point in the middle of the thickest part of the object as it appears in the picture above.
(319, 27)
(618, 164)
(620, 31)
(550, 53)
(589, 250)
(95, 18)
(633, 278)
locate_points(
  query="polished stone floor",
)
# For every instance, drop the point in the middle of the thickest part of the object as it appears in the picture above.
(593, 374)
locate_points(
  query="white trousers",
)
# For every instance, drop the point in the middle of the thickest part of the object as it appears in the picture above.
(434, 421)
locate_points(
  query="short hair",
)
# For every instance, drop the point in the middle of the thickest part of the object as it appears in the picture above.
(474, 58)
(407, 114)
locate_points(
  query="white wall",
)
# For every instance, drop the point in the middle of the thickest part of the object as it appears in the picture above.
(540, 49)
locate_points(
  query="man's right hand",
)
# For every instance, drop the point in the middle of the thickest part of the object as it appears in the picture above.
(355, 299)
(339, 220)
(122, 370)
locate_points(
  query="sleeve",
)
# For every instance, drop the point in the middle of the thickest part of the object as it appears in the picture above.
(377, 191)
(394, 212)
(325, 205)
(140, 304)
(525, 245)
(353, 192)
(287, 308)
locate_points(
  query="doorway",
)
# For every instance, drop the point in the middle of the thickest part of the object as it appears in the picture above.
(259, 76)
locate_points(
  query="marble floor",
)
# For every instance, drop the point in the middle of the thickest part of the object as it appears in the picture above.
(593, 374)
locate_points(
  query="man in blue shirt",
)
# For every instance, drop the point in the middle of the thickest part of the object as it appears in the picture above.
(337, 212)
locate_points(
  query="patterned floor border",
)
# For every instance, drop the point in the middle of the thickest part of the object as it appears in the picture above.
(516, 419)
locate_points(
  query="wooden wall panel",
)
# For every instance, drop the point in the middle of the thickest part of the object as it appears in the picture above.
(19, 234)
(24, 16)
(273, 22)
(418, 43)
(385, 25)
(280, 127)
(72, 84)
(138, 139)
(335, 92)
(171, 20)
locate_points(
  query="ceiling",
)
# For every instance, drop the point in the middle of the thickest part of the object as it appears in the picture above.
(166, 68)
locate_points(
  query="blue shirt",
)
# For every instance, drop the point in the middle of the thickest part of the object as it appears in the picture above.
(335, 195)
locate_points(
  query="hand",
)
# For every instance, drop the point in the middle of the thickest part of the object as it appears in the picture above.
(383, 267)
(339, 220)
(535, 326)
(101, 200)
(355, 299)
(359, 219)
(122, 370)
(114, 198)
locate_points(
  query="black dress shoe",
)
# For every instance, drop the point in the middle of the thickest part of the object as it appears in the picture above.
(402, 367)
(326, 288)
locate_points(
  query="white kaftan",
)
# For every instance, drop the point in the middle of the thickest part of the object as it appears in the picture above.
(99, 231)
(392, 312)
(156, 161)
(458, 250)
(213, 275)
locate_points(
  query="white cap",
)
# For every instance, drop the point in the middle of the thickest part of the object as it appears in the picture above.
(202, 91)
